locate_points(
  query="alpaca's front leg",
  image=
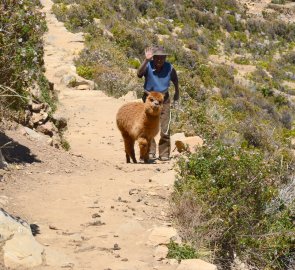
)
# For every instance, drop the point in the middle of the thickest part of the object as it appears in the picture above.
(144, 147)
(129, 148)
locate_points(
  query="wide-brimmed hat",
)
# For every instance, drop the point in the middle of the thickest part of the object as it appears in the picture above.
(159, 51)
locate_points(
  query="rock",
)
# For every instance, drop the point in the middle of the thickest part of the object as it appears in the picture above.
(131, 95)
(176, 137)
(160, 253)
(20, 248)
(35, 135)
(172, 261)
(3, 163)
(83, 87)
(195, 264)
(37, 107)
(103, 29)
(9, 225)
(36, 118)
(108, 34)
(116, 247)
(39, 117)
(163, 235)
(81, 81)
(48, 129)
(28, 115)
(59, 121)
(69, 80)
(216, 90)
(56, 141)
(61, 72)
(35, 91)
(73, 80)
(189, 144)
(134, 191)
(50, 141)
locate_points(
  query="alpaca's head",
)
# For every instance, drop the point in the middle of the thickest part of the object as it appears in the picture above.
(154, 103)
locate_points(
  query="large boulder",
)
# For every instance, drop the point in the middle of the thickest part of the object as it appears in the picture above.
(186, 144)
(48, 129)
(20, 249)
(162, 235)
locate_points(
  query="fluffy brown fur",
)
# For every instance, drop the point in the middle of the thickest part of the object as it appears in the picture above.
(140, 121)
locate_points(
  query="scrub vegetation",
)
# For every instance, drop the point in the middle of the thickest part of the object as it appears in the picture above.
(22, 26)
(233, 198)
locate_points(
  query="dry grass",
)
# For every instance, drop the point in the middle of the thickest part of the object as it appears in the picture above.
(7, 98)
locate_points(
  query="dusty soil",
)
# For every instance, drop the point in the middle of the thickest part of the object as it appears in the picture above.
(86, 200)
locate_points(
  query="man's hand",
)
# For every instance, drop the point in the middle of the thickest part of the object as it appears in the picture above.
(149, 53)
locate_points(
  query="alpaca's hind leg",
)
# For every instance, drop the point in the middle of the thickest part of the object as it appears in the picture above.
(144, 148)
(129, 148)
(127, 158)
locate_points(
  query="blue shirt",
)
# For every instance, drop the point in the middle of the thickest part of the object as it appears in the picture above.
(157, 81)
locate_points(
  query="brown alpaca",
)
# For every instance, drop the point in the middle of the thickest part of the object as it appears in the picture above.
(140, 121)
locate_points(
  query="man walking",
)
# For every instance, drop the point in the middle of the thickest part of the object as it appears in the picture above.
(158, 73)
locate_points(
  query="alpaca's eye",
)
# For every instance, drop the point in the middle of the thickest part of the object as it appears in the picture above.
(151, 99)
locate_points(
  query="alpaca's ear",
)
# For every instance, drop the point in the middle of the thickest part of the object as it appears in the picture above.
(147, 92)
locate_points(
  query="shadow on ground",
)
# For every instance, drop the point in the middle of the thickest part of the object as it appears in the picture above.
(14, 152)
(35, 229)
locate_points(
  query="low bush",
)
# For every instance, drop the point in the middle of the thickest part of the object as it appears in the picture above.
(21, 55)
(74, 16)
(234, 190)
(181, 252)
(86, 72)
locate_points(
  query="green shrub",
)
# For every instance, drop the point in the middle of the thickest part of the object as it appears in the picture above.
(181, 252)
(266, 90)
(65, 144)
(241, 36)
(85, 72)
(60, 11)
(234, 190)
(281, 100)
(207, 20)
(231, 24)
(134, 63)
(133, 40)
(194, 120)
(21, 55)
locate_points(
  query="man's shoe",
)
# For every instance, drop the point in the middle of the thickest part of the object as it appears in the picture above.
(164, 158)
(152, 156)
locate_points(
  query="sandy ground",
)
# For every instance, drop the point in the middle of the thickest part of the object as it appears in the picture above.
(86, 200)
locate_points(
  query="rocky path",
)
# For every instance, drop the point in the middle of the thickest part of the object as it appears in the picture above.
(93, 210)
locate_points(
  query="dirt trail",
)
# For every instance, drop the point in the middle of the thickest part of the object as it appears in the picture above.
(88, 200)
